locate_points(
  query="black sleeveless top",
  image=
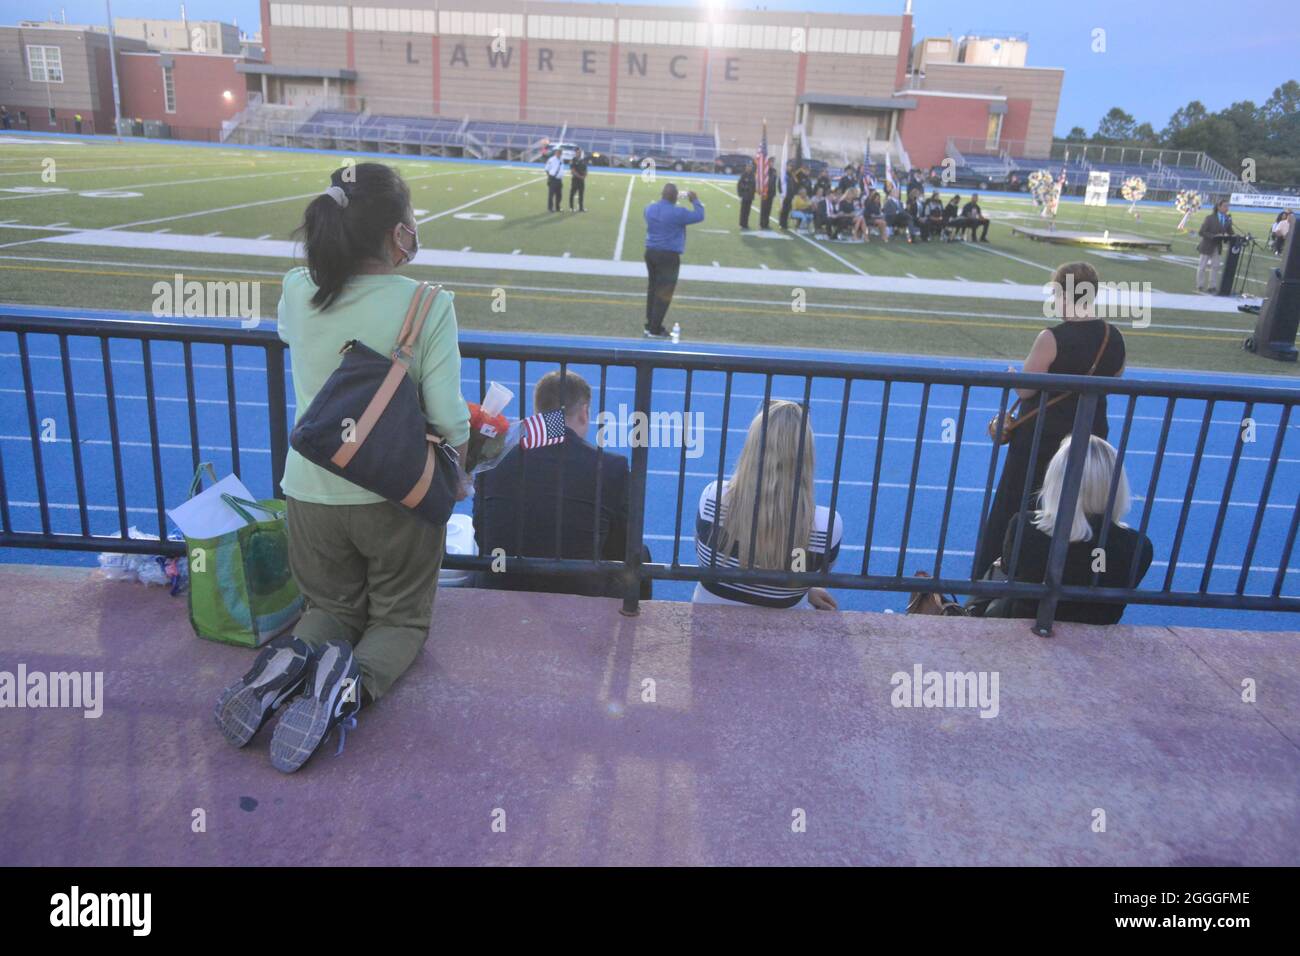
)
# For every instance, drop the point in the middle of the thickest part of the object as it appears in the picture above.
(1077, 343)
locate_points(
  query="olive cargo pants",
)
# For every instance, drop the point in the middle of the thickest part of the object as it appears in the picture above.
(368, 575)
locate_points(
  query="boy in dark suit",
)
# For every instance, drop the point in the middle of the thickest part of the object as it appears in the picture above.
(517, 503)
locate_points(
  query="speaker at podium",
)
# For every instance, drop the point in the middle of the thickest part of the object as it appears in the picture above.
(1275, 329)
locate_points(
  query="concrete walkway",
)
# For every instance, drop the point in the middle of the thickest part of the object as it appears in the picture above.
(532, 710)
(853, 281)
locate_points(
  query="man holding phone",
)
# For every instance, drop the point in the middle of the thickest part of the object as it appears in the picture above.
(665, 241)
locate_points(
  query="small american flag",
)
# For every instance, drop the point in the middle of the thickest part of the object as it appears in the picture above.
(761, 161)
(542, 429)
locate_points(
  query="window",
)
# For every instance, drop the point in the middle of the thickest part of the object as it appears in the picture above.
(44, 64)
(169, 91)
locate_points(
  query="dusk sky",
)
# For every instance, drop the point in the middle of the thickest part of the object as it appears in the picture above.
(1159, 55)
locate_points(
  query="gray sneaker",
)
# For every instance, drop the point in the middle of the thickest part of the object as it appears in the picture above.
(277, 676)
(331, 699)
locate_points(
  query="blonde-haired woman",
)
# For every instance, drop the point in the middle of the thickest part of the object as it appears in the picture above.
(783, 490)
(1113, 565)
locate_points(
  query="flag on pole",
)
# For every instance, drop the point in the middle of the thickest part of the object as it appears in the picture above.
(785, 166)
(889, 173)
(867, 180)
(542, 429)
(761, 162)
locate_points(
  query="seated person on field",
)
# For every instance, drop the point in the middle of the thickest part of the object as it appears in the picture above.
(843, 214)
(873, 216)
(974, 219)
(801, 209)
(932, 217)
(896, 216)
(515, 503)
(953, 224)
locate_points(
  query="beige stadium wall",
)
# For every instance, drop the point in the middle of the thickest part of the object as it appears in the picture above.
(637, 85)
(569, 79)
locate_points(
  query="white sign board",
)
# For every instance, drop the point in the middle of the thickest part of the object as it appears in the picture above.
(1266, 200)
(1098, 189)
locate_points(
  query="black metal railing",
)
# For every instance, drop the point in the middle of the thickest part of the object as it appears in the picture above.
(652, 377)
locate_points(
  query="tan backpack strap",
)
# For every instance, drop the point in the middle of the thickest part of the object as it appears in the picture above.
(416, 297)
(421, 487)
(415, 319)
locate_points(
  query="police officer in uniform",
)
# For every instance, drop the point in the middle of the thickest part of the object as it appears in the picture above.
(578, 181)
(745, 187)
(554, 182)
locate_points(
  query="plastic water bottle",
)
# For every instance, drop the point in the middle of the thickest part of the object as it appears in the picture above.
(676, 334)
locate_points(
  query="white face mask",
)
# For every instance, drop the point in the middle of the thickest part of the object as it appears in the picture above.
(415, 244)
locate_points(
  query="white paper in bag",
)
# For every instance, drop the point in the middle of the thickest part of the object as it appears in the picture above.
(206, 515)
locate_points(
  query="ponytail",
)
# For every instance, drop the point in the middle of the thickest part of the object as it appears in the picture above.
(349, 223)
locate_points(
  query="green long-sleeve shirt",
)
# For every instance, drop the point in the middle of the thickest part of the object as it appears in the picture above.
(371, 309)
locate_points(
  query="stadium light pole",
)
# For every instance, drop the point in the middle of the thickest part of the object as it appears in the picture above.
(712, 8)
(112, 66)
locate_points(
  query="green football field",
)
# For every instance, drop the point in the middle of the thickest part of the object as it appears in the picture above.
(96, 224)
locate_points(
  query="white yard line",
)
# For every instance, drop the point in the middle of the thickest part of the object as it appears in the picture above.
(250, 205)
(104, 169)
(174, 182)
(475, 202)
(834, 255)
(1007, 255)
(622, 223)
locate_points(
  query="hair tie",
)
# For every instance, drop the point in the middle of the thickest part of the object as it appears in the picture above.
(338, 195)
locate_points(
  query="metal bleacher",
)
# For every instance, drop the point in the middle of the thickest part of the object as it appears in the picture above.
(487, 139)
(335, 128)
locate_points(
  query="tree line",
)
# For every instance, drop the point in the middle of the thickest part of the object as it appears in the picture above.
(1269, 134)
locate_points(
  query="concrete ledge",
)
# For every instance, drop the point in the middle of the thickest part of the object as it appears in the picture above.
(533, 704)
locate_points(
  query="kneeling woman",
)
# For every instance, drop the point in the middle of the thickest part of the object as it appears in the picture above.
(1120, 564)
(783, 492)
(367, 567)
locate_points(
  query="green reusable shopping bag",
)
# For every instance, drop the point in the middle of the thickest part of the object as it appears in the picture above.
(241, 591)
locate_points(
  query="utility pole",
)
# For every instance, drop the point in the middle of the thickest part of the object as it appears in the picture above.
(112, 65)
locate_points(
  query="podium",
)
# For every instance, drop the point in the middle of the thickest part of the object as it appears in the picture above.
(1231, 248)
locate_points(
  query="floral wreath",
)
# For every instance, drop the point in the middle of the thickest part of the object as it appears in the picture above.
(1040, 185)
(1134, 188)
(1188, 200)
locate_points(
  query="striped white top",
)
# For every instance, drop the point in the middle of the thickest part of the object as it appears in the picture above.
(820, 554)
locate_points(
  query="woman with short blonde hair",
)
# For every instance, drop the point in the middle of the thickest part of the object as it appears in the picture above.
(1120, 563)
